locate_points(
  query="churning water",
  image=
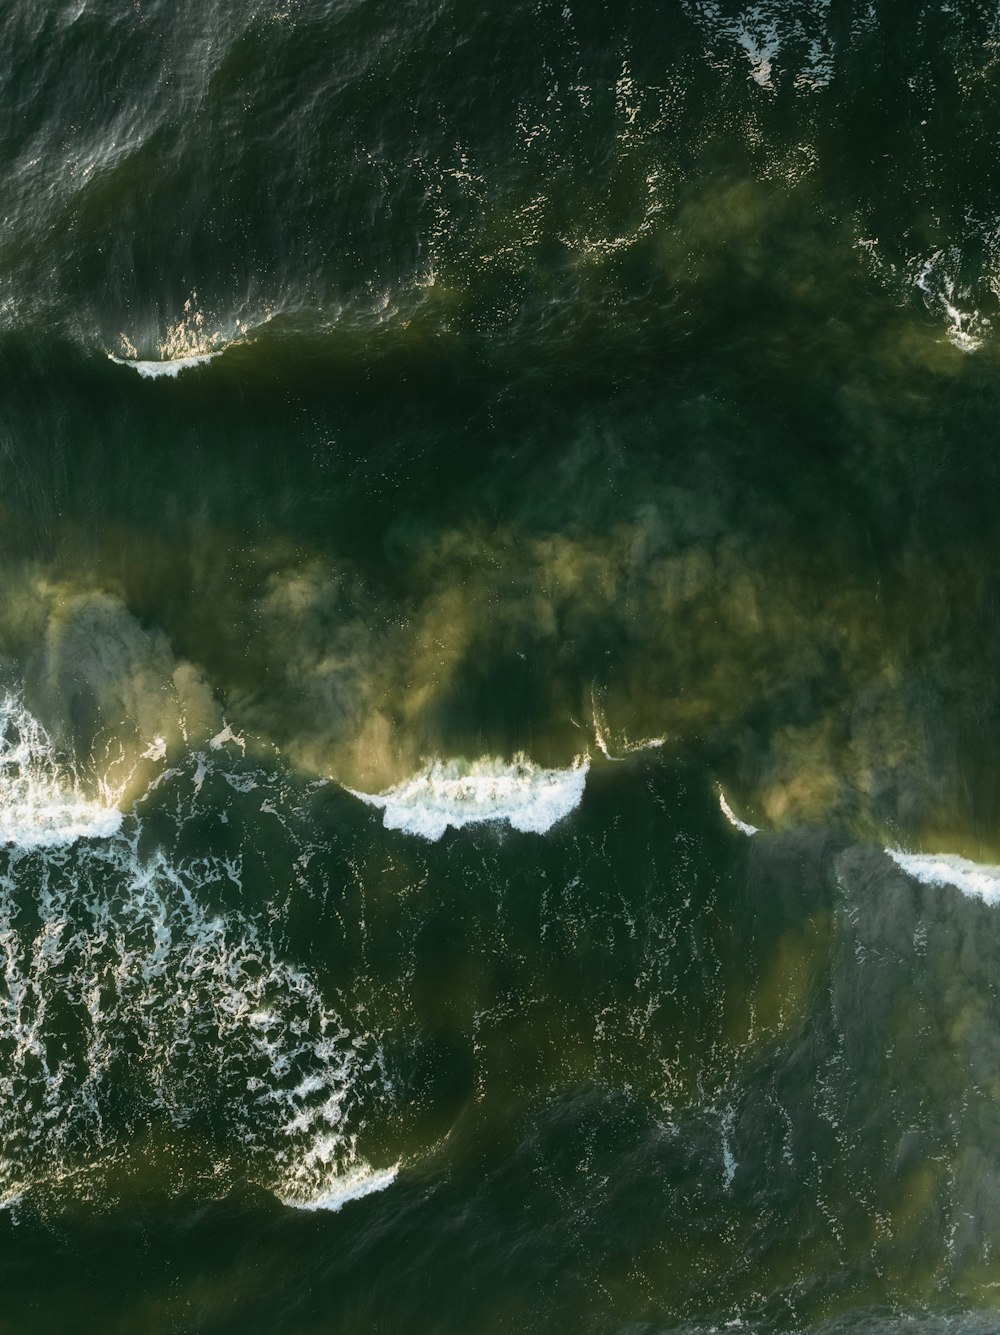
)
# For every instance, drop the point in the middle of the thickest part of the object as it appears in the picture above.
(499, 625)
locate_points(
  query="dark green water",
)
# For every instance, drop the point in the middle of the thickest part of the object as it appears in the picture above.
(575, 426)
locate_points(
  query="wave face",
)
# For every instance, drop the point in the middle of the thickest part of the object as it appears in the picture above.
(456, 793)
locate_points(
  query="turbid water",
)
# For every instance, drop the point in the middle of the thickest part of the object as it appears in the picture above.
(499, 640)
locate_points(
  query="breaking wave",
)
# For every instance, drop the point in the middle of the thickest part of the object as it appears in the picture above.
(172, 368)
(743, 826)
(146, 993)
(977, 880)
(457, 793)
(188, 343)
(353, 1186)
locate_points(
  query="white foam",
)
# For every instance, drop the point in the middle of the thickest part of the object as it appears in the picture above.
(150, 370)
(964, 328)
(34, 825)
(187, 343)
(41, 805)
(353, 1185)
(729, 1164)
(175, 967)
(733, 819)
(227, 735)
(602, 734)
(975, 879)
(459, 793)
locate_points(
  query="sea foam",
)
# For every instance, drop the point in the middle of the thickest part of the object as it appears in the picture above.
(733, 819)
(975, 879)
(187, 343)
(171, 367)
(41, 805)
(458, 793)
(166, 960)
(353, 1185)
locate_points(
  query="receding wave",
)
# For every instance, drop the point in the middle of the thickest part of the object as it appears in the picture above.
(457, 793)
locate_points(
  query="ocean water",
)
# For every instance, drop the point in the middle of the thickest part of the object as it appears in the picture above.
(499, 694)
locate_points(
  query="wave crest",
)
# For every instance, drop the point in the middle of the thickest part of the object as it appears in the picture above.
(457, 793)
